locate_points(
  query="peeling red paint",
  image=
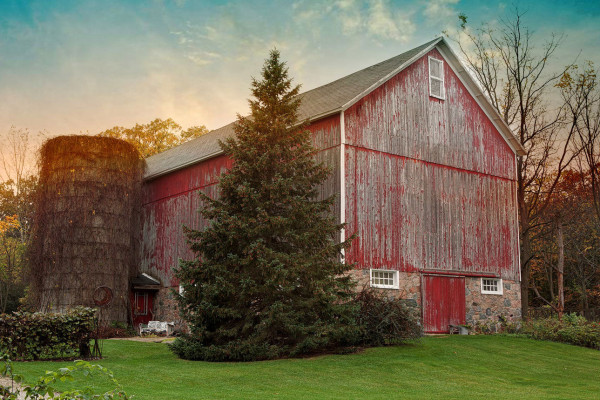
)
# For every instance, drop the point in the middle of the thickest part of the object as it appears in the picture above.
(429, 182)
(429, 185)
(171, 201)
(443, 302)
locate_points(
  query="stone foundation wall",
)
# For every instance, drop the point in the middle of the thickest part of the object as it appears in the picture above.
(409, 283)
(479, 307)
(165, 307)
(488, 307)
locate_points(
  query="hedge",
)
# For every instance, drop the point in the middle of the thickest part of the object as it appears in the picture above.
(35, 336)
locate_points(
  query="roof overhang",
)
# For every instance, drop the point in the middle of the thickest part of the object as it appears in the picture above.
(145, 282)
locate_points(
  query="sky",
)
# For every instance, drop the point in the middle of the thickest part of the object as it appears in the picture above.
(69, 67)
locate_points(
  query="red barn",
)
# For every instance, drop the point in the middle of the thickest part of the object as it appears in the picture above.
(425, 172)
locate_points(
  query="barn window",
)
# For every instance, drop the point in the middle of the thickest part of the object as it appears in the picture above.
(491, 286)
(386, 279)
(436, 78)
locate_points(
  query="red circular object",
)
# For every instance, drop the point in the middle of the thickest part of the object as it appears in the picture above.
(103, 295)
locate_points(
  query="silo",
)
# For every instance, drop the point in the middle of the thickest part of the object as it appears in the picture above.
(86, 223)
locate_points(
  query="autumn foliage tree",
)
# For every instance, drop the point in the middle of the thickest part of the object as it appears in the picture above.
(156, 136)
(267, 280)
(17, 190)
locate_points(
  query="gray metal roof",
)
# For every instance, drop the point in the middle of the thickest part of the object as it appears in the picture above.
(316, 103)
(327, 100)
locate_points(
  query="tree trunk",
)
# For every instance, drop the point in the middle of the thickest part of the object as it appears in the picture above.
(524, 230)
(561, 269)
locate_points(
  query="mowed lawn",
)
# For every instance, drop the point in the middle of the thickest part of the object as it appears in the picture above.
(441, 367)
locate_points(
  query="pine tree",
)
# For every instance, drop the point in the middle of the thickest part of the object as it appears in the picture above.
(267, 280)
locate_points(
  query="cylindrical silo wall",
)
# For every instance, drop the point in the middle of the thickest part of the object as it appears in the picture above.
(86, 223)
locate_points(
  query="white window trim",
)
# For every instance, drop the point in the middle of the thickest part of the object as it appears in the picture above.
(500, 287)
(395, 285)
(440, 78)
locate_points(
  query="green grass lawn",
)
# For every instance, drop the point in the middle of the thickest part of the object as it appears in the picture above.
(441, 367)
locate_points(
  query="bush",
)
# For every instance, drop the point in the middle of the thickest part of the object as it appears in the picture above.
(34, 336)
(573, 329)
(44, 389)
(190, 348)
(384, 321)
(116, 329)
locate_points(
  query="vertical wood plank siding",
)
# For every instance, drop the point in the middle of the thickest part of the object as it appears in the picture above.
(429, 183)
(443, 303)
(171, 201)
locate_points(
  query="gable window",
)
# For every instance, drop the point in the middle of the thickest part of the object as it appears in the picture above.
(491, 286)
(436, 78)
(386, 279)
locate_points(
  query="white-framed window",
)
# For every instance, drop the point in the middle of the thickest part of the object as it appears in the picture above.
(384, 278)
(436, 78)
(491, 286)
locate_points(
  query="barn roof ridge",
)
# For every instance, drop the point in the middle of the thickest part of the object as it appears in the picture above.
(328, 99)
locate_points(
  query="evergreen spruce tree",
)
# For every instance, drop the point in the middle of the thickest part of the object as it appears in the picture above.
(266, 281)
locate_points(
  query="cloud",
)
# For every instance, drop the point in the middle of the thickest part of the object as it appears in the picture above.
(376, 19)
(386, 23)
(439, 10)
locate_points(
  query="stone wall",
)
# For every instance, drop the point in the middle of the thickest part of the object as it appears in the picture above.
(488, 307)
(165, 308)
(479, 307)
(409, 286)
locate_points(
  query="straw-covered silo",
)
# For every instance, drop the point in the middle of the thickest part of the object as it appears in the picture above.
(85, 230)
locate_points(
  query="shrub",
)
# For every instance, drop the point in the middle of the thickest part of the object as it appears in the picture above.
(384, 321)
(573, 329)
(44, 389)
(34, 336)
(116, 329)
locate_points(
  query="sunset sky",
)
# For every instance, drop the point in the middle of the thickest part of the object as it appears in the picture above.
(84, 66)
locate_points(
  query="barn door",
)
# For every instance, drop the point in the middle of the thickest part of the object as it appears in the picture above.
(443, 302)
(142, 306)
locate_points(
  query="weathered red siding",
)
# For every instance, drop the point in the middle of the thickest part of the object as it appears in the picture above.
(429, 183)
(401, 118)
(171, 201)
(443, 302)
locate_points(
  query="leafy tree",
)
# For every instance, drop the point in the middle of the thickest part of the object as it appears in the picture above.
(156, 136)
(17, 190)
(12, 252)
(267, 280)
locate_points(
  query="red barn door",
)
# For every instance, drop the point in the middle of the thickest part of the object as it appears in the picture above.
(443, 302)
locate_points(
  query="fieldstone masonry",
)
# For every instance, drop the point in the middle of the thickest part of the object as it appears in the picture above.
(165, 308)
(479, 307)
(409, 282)
(489, 307)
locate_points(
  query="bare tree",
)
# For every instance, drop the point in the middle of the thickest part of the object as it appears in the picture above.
(581, 94)
(515, 77)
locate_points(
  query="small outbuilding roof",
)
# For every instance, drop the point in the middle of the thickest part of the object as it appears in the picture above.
(326, 100)
(145, 281)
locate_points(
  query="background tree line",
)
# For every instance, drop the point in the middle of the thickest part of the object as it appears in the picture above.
(554, 111)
